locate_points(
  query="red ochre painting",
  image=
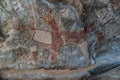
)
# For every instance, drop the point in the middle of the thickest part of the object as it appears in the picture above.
(41, 36)
(58, 34)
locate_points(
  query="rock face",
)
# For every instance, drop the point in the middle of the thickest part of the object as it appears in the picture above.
(42, 34)
(59, 34)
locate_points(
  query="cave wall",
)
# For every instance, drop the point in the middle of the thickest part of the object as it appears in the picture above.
(58, 34)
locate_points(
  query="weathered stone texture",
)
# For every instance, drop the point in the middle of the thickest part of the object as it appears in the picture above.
(59, 34)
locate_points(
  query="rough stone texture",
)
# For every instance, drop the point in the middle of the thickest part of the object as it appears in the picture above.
(39, 33)
(60, 34)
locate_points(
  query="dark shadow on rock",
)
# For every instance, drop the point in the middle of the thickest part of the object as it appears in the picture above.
(99, 70)
(1, 78)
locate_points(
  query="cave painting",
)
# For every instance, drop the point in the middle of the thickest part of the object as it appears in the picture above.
(56, 38)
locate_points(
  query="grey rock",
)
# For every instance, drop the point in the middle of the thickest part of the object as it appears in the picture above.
(21, 19)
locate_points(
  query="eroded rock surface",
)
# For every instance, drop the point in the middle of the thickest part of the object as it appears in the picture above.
(59, 34)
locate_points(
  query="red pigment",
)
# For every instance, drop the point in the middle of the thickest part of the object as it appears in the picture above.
(52, 57)
(35, 54)
(53, 24)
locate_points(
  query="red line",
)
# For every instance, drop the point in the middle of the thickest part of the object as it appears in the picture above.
(105, 15)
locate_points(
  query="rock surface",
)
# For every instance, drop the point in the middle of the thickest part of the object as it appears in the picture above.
(60, 34)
